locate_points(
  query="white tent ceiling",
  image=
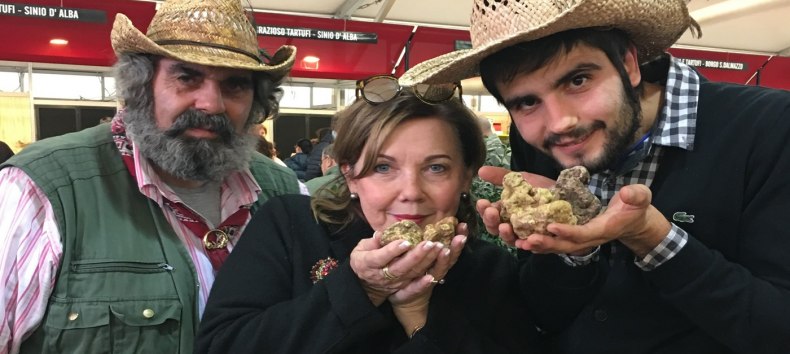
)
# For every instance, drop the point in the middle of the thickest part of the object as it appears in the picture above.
(752, 26)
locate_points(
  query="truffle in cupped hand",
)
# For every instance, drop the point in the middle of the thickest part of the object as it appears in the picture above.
(572, 185)
(402, 230)
(442, 231)
(530, 209)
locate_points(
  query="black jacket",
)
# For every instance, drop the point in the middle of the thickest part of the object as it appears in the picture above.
(314, 160)
(263, 300)
(298, 163)
(728, 290)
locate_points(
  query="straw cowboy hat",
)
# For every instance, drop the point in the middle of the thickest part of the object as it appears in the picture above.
(205, 32)
(653, 26)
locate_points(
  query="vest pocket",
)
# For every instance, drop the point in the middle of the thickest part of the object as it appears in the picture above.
(149, 326)
(81, 327)
(103, 266)
(123, 326)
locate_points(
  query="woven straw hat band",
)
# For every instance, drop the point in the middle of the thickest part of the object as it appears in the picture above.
(209, 55)
(221, 25)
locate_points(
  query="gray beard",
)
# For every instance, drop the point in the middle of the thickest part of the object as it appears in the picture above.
(188, 158)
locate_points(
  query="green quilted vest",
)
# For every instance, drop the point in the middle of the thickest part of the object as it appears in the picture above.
(126, 283)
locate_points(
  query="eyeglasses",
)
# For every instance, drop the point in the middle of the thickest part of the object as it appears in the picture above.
(382, 88)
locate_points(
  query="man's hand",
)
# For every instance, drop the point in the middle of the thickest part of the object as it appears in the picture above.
(629, 218)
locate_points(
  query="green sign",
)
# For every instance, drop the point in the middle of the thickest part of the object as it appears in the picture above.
(459, 44)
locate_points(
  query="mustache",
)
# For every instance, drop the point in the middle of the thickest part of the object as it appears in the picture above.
(194, 119)
(578, 132)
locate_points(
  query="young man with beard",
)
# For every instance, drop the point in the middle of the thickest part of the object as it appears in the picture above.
(693, 246)
(110, 237)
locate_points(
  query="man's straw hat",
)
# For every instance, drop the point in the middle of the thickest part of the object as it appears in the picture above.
(653, 26)
(205, 32)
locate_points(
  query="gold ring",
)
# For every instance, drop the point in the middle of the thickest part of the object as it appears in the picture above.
(387, 274)
(440, 281)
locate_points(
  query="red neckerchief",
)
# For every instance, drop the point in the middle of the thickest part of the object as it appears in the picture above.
(215, 241)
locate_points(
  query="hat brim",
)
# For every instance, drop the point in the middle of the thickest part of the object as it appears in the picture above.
(652, 34)
(126, 38)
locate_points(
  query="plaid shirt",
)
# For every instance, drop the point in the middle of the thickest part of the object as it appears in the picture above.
(674, 128)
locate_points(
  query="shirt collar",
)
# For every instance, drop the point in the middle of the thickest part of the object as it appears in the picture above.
(678, 120)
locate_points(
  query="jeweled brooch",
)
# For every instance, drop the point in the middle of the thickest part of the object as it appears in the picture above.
(322, 268)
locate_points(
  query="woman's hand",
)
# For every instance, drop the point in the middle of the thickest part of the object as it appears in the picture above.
(385, 270)
(410, 304)
(419, 289)
(368, 260)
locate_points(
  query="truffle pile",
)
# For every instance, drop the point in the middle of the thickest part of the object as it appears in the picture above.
(530, 209)
(442, 231)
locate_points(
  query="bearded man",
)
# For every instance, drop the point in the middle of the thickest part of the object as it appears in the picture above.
(110, 237)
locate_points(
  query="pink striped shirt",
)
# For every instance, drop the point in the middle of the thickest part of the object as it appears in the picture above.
(30, 247)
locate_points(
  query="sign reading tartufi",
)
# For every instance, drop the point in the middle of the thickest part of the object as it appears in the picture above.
(52, 12)
(311, 33)
(714, 64)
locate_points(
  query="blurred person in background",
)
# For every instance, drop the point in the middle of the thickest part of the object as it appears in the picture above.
(298, 161)
(325, 137)
(330, 170)
(266, 148)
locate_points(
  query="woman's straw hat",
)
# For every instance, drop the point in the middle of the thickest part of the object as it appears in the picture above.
(205, 32)
(653, 26)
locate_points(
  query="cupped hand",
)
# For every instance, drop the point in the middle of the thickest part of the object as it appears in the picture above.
(368, 259)
(629, 218)
(410, 304)
(404, 263)
(419, 289)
